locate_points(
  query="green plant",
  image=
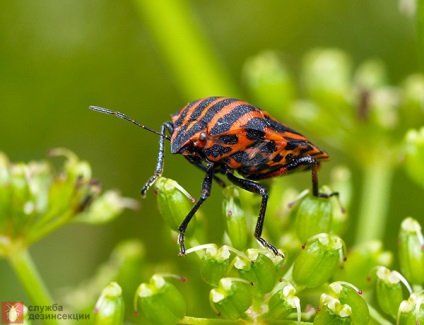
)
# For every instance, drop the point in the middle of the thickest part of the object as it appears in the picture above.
(373, 125)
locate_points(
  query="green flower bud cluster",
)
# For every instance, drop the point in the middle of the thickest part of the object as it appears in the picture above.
(35, 200)
(256, 285)
(342, 304)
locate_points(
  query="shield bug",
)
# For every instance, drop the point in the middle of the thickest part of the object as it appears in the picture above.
(221, 135)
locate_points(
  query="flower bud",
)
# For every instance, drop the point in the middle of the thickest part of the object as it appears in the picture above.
(333, 312)
(110, 307)
(106, 208)
(383, 109)
(232, 298)
(370, 75)
(160, 301)
(318, 260)
(283, 303)
(269, 81)
(342, 304)
(74, 167)
(313, 215)
(215, 264)
(326, 75)
(235, 217)
(411, 311)
(389, 291)
(75, 190)
(258, 269)
(414, 155)
(20, 204)
(413, 100)
(174, 204)
(350, 296)
(411, 251)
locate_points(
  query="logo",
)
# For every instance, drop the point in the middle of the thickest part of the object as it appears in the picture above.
(12, 312)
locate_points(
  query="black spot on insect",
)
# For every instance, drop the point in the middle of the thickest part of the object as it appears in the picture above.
(289, 158)
(216, 150)
(253, 134)
(228, 139)
(277, 158)
(270, 147)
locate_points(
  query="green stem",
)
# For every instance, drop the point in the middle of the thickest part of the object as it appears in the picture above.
(191, 58)
(28, 275)
(374, 201)
(44, 229)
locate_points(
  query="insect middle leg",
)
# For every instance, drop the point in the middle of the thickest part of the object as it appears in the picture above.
(159, 164)
(255, 188)
(206, 191)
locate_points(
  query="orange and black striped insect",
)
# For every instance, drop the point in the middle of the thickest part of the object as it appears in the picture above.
(221, 135)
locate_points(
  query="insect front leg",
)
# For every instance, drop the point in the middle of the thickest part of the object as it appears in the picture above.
(206, 191)
(255, 188)
(159, 164)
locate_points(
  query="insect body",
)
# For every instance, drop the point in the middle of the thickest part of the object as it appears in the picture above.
(221, 135)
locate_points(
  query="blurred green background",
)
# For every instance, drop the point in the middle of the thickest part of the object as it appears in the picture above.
(59, 57)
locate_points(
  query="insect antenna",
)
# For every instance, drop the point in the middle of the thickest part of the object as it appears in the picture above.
(124, 117)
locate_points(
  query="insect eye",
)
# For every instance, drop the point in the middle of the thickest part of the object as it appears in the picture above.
(202, 137)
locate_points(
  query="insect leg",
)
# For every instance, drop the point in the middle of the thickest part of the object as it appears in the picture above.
(314, 165)
(255, 188)
(206, 190)
(198, 164)
(159, 165)
(315, 190)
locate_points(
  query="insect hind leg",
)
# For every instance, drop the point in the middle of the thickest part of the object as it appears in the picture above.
(313, 164)
(161, 154)
(255, 188)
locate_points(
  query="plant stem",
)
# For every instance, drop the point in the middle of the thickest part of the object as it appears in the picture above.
(53, 224)
(193, 61)
(25, 268)
(374, 201)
